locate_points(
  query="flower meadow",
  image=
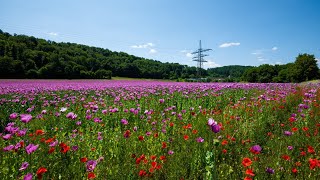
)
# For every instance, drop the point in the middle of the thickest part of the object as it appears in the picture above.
(85, 129)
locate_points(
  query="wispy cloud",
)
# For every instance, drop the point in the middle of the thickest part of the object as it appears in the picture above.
(278, 62)
(53, 33)
(274, 48)
(225, 45)
(149, 46)
(152, 51)
(189, 55)
(261, 59)
(143, 46)
(211, 64)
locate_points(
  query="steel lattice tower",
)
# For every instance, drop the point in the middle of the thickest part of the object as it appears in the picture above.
(199, 58)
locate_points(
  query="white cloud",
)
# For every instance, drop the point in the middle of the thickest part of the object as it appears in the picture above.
(152, 51)
(211, 64)
(278, 62)
(184, 51)
(189, 55)
(274, 49)
(261, 59)
(53, 34)
(225, 45)
(143, 46)
(317, 59)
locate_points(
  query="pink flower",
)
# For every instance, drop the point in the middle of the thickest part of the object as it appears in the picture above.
(13, 116)
(71, 115)
(31, 148)
(28, 176)
(8, 148)
(7, 136)
(25, 118)
(24, 166)
(91, 165)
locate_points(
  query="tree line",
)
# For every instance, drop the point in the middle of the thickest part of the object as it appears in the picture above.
(304, 68)
(24, 56)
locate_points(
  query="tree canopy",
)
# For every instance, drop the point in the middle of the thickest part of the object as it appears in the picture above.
(303, 69)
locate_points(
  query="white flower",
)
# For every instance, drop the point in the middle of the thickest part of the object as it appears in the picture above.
(63, 109)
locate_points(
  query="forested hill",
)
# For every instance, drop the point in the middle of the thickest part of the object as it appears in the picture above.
(24, 56)
(232, 71)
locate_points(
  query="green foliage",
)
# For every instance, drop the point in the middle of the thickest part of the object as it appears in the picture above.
(303, 69)
(103, 74)
(23, 55)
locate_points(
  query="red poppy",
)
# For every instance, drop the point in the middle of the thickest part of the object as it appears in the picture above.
(142, 173)
(224, 142)
(153, 164)
(185, 137)
(194, 131)
(247, 178)
(51, 150)
(40, 172)
(224, 151)
(138, 160)
(39, 132)
(246, 162)
(164, 145)
(151, 170)
(171, 124)
(91, 175)
(65, 149)
(294, 170)
(305, 129)
(84, 159)
(156, 135)
(141, 138)
(250, 172)
(302, 153)
(294, 129)
(153, 157)
(311, 150)
(49, 140)
(162, 158)
(285, 157)
(313, 163)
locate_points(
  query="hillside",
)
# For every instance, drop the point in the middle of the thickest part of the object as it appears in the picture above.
(24, 56)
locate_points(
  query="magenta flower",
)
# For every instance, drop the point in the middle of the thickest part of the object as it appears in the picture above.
(54, 143)
(13, 116)
(170, 152)
(24, 166)
(28, 176)
(31, 148)
(270, 170)
(211, 122)
(124, 121)
(7, 136)
(71, 115)
(215, 128)
(200, 140)
(22, 132)
(8, 148)
(91, 165)
(25, 118)
(287, 133)
(256, 149)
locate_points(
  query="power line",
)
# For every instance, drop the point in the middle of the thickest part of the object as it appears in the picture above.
(199, 58)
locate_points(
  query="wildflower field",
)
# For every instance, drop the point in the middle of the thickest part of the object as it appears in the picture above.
(55, 129)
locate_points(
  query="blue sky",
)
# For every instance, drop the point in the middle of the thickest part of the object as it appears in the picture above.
(242, 32)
